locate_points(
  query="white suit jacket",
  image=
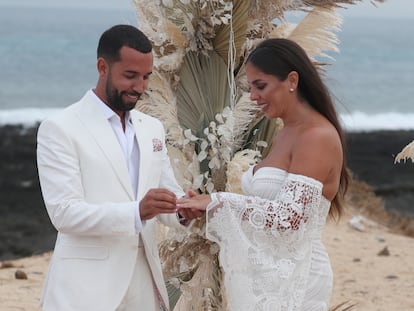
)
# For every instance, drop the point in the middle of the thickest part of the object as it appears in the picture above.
(90, 201)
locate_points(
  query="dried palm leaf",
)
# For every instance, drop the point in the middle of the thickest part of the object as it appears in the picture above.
(406, 153)
(203, 90)
(174, 293)
(234, 32)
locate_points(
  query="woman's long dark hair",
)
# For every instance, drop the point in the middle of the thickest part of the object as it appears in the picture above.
(278, 57)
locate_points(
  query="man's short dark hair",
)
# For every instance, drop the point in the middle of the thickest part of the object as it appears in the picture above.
(118, 36)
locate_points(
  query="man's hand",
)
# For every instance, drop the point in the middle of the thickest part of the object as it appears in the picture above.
(157, 201)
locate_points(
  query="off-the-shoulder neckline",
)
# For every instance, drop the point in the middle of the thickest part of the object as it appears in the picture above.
(253, 173)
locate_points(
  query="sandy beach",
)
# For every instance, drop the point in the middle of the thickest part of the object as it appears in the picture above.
(372, 259)
(373, 269)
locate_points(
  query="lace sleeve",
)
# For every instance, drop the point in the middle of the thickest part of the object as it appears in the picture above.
(288, 211)
(264, 248)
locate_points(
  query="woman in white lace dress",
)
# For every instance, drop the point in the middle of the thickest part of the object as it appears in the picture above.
(270, 238)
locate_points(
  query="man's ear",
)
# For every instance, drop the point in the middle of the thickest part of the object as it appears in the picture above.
(102, 66)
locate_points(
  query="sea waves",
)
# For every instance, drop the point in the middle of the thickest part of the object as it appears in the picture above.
(354, 122)
(368, 122)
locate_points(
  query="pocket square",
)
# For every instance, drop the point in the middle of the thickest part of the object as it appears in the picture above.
(156, 145)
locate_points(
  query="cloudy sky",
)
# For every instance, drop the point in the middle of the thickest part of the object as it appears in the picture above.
(122, 4)
(390, 8)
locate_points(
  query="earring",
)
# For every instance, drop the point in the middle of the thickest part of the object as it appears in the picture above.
(291, 89)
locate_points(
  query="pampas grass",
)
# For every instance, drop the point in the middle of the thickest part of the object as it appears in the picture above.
(406, 153)
(315, 34)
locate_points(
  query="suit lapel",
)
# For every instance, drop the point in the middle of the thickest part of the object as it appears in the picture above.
(99, 128)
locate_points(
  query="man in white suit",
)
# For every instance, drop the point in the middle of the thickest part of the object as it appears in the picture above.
(105, 176)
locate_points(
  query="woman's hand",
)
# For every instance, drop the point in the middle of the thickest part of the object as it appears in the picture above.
(193, 201)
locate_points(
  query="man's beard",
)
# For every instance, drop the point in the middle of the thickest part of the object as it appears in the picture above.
(114, 98)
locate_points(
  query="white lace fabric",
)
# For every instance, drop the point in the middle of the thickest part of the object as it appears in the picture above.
(266, 244)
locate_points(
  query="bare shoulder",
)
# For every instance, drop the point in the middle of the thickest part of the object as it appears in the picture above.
(317, 152)
(323, 137)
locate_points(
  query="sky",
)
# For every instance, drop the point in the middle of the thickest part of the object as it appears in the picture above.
(111, 4)
(388, 9)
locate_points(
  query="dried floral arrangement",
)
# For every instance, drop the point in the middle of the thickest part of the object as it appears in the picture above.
(198, 90)
(406, 153)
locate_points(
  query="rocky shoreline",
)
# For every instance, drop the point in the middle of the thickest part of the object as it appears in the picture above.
(26, 229)
(25, 226)
(371, 159)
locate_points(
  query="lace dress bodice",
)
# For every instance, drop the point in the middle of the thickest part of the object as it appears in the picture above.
(270, 242)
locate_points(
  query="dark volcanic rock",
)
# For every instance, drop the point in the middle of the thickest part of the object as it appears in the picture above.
(25, 228)
(371, 159)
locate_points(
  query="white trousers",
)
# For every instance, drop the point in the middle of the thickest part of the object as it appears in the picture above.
(140, 295)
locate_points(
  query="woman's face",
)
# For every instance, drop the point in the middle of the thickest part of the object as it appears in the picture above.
(268, 91)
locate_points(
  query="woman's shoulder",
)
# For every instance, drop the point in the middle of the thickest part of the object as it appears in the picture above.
(317, 152)
(321, 135)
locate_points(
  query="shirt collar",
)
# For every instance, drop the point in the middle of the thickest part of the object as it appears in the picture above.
(108, 112)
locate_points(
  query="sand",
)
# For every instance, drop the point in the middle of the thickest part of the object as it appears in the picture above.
(363, 272)
(363, 277)
(23, 294)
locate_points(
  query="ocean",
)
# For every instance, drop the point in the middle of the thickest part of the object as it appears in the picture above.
(48, 59)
